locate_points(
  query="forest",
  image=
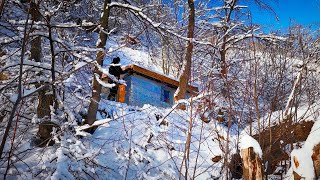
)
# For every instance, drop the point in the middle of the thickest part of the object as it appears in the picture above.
(245, 103)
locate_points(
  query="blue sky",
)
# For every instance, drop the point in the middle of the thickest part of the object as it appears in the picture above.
(305, 12)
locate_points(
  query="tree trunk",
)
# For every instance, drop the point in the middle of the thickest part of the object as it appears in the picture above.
(186, 67)
(36, 42)
(96, 87)
(45, 99)
(252, 166)
(223, 64)
(2, 6)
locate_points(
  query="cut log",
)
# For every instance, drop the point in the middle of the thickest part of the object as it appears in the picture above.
(302, 164)
(252, 166)
(296, 176)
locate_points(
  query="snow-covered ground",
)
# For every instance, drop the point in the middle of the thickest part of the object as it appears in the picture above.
(132, 145)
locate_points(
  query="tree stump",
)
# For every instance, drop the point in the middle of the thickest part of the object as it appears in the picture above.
(316, 160)
(252, 166)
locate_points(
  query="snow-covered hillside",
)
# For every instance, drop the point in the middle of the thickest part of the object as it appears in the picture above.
(132, 145)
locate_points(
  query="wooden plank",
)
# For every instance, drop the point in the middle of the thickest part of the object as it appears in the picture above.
(121, 93)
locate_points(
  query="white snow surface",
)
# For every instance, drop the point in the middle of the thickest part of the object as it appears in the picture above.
(121, 148)
(305, 168)
(303, 155)
(247, 141)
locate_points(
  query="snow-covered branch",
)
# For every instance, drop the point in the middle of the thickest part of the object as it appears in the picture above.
(53, 24)
(26, 62)
(139, 12)
(271, 37)
(104, 84)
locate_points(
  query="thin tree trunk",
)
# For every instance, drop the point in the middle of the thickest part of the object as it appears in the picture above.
(223, 51)
(255, 92)
(53, 62)
(186, 67)
(292, 94)
(96, 87)
(186, 155)
(224, 69)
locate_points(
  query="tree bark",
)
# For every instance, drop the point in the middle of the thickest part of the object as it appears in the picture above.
(223, 51)
(2, 6)
(36, 42)
(45, 99)
(96, 87)
(252, 166)
(186, 67)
